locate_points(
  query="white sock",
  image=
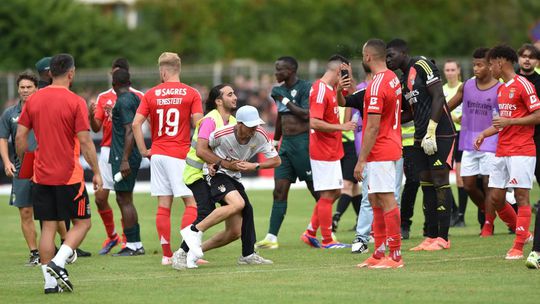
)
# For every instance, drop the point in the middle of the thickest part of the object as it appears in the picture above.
(63, 253)
(271, 238)
(138, 245)
(50, 282)
(131, 245)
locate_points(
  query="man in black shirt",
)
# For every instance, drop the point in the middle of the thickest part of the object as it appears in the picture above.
(528, 58)
(433, 138)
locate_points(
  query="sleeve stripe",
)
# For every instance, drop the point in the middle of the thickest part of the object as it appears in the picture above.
(425, 66)
(261, 130)
(322, 92)
(526, 84)
(376, 84)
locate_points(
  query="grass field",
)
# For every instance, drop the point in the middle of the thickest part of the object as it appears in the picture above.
(473, 270)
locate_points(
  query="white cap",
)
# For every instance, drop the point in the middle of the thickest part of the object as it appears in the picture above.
(249, 116)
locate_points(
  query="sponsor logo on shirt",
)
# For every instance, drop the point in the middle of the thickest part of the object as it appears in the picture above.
(172, 91)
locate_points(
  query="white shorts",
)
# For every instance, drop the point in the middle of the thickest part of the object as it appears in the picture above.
(105, 168)
(512, 172)
(326, 175)
(381, 176)
(477, 162)
(166, 176)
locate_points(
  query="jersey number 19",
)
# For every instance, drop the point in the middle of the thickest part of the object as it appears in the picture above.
(168, 121)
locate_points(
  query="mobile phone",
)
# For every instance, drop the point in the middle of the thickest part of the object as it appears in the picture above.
(344, 73)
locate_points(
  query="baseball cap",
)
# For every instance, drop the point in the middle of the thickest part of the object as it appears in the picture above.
(43, 64)
(249, 116)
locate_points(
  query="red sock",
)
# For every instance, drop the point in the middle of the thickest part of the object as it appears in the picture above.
(163, 224)
(324, 210)
(522, 226)
(124, 238)
(487, 229)
(190, 215)
(379, 233)
(392, 220)
(508, 216)
(108, 221)
(314, 223)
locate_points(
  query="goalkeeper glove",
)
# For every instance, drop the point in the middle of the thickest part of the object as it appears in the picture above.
(429, 142)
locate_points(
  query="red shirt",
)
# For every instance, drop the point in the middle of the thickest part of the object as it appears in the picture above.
(105, 102)
(383, 97)
(323, 105)
(517, 98)
(56, 115)
(170, 106)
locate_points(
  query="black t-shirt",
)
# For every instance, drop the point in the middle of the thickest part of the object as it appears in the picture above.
(420, 75)
(534, 78)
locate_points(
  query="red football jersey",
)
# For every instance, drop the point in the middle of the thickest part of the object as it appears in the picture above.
(56, 115)
(170, 106)
(323, 105)
(383, 97)
(104, 104)
(517, 98)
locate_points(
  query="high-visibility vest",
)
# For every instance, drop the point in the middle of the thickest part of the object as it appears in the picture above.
(194, 165)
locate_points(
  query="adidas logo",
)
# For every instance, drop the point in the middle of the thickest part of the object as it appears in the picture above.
(520, 228)
(441, 208)
(513, 181)
(437, 163)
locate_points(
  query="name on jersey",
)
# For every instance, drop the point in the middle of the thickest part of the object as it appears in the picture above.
(169, 101)
(172, 91)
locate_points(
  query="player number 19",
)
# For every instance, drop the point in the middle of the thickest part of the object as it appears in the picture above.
(170, 120)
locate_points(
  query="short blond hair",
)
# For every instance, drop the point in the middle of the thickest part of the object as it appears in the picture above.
(170, 61)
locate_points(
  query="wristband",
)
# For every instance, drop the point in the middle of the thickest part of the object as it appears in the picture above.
(258, 166)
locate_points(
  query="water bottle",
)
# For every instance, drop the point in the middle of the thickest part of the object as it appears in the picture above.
(495, 114)
(355, 117)
(118, 177)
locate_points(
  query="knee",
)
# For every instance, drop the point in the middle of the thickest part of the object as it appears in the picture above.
(26, 214)
(234, 233)
(522, 197)
(280, 192)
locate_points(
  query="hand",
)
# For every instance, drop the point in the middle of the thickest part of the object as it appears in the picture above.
(92, 109)
(359, 170)
(429, 142)
(9, 169)
(146, 153)
(478, 141)
(247, 166)
(344, 83)
(98, 182)
(349, 126)
(212, 169)
(501, 122)
(231, 165)
(125, 169)
(275, 143)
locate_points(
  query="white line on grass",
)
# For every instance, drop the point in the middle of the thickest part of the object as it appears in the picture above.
(266, 270)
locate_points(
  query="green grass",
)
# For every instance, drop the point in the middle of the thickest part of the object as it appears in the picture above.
(473, 270)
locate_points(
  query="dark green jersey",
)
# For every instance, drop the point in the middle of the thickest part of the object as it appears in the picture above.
(297, 94)
(123, 113)
(8, 128)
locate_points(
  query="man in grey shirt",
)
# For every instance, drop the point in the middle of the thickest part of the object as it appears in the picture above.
(237, 143)
(21, 188)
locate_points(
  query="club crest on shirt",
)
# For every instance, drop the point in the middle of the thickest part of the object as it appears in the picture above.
(293, 93)
(221, 188)
(512, 92)
(158, 92)
(15, 119)
(253, 146)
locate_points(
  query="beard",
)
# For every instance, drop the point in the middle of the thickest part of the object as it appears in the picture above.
(528, 70)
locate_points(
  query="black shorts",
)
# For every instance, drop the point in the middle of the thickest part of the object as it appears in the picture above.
(457, 153)
(348, 162)
(205, 203)
(59, 203)
(443, 158)
(221, 184)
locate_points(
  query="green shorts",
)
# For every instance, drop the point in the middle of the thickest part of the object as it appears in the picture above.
(294, 154)
(21, 193)
(127, 184)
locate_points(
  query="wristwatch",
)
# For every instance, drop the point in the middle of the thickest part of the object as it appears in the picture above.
(258, 166)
